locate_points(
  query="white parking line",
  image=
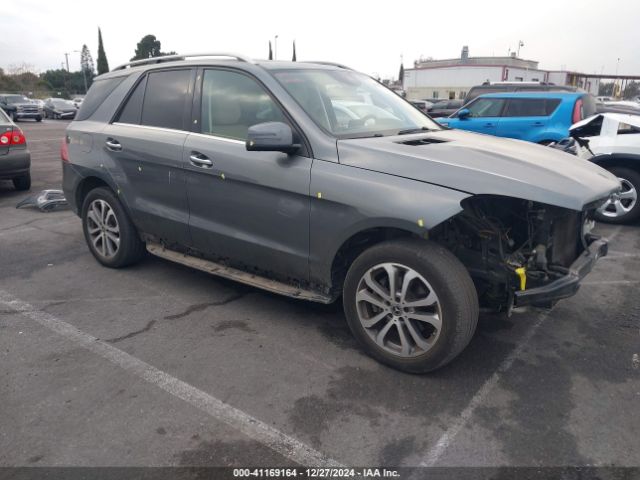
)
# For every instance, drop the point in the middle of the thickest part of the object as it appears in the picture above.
(436, 452)
(259, 431)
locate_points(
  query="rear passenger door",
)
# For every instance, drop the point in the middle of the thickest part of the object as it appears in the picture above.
(144, 151)
(250, 208)
(527, 118)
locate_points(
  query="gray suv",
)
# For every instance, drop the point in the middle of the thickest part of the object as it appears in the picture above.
(314, 181)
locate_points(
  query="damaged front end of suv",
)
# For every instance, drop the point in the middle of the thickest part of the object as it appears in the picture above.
(520, 252)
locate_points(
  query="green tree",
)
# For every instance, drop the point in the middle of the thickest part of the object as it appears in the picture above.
(103, 65)
(149, 46)
(86, 66)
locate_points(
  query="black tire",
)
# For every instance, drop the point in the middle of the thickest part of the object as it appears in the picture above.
(450, 281)
(46, 115)
(131, 249)
(633, 178)
(14, 117)
(22, 182)
(38, 118)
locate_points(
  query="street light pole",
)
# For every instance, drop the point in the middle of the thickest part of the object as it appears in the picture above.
(66, 56)
(275, 52)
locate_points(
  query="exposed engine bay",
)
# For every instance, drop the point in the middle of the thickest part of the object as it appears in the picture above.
(509, 245)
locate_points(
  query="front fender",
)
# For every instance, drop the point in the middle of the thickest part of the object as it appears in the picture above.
(346, 200)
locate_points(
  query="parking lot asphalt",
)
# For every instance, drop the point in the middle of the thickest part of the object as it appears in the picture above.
(159, 365)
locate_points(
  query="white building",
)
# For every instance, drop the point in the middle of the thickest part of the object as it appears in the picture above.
(452, 78)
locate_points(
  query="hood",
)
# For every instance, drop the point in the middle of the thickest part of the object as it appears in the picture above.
(482, 164)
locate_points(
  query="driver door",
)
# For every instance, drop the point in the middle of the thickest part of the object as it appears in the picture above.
(250, 208)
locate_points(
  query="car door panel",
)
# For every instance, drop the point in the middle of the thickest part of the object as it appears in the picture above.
(148, 170)
(249, 207)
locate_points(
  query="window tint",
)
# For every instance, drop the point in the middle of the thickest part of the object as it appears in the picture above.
(531, 107)
(486, 107)
(233, 102)
(165, 99)
(97, 94)
(133, 108)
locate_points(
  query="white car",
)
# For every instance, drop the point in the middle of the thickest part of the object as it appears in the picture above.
(612, 140)
(78, 101)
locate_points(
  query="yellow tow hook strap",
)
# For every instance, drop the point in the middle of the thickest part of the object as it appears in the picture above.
(522, 273)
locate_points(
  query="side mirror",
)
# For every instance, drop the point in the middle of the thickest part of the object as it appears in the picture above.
(271, 137)
(463, 113)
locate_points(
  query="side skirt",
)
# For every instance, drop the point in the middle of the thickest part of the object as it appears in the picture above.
(220, 270)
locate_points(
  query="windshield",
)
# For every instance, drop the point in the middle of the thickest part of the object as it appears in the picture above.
(348, 104)
(62, 103)
(17, 99)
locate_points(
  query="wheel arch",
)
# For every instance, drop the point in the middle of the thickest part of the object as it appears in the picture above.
(363, 238)
(92, 182)
(626, 160)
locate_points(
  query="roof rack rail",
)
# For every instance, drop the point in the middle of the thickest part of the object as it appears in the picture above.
(332, 64)
(175, 58)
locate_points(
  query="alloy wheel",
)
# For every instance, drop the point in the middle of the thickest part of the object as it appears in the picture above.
(399, 309)
(619, 204)
(103, 228)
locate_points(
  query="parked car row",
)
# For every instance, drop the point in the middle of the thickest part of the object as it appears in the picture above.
(20, 107)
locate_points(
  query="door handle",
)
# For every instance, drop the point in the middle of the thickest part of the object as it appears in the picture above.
(113, 145)
(200, 160)
(488, 124)
(537, 124)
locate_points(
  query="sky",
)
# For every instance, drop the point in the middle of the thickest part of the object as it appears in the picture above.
(371, 36)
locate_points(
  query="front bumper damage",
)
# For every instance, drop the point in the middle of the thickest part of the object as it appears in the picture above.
(566, 286)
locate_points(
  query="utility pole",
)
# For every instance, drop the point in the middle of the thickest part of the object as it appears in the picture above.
(275, 49)
(66, 56)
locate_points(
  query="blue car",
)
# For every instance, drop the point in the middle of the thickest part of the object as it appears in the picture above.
(539, 117)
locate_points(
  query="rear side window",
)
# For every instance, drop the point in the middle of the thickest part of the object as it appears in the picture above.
(531, 107)
(486, 107)
(97, 94)
(133, 108)
(165, 99)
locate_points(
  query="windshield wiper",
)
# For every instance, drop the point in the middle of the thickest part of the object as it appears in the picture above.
(414, 130)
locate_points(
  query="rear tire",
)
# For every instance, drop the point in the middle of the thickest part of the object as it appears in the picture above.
(110, 234)
(23, 182)
(625, 209)
(410, 332)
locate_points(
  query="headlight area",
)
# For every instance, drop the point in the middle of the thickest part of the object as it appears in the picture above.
(520, 252)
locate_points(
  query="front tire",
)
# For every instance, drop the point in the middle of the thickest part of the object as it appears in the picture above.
(14, 117)
(38, 118)
(623, 207)
(411, 304)
(111, 236)
(22, 182)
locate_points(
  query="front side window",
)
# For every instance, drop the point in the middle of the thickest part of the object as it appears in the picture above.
(486, 107)
(165, 98)
(232, 102)
(348, 104)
